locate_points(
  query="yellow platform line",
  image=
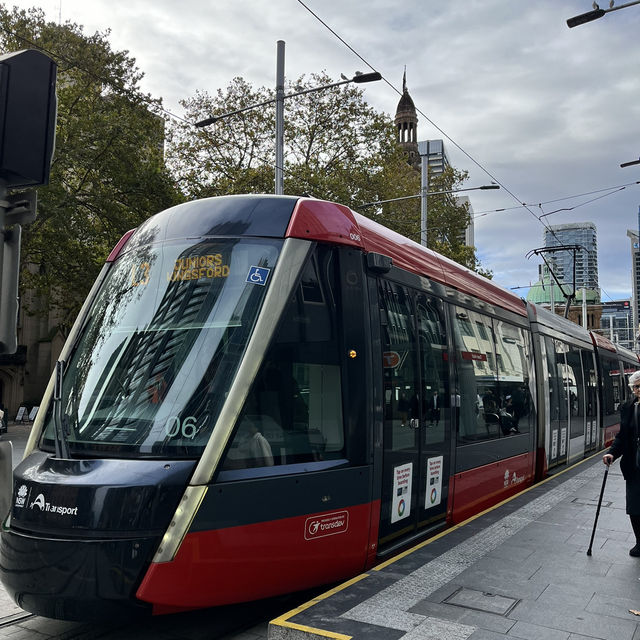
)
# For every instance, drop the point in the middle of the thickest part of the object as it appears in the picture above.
(283, 620)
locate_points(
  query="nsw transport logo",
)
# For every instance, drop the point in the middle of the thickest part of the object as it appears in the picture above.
(329, 524)
(21, 496)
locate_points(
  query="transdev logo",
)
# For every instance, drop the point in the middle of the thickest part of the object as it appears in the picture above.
(329, 524)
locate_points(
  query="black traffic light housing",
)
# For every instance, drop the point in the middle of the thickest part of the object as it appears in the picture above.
(27, 118)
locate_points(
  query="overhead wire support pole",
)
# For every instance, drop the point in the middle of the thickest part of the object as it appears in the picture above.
(563, 247)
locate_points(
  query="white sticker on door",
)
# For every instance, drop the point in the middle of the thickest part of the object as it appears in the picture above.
(401, 502)
(433, 496)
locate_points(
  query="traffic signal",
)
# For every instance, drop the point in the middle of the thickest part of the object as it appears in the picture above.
(27, 118)
(28, 110)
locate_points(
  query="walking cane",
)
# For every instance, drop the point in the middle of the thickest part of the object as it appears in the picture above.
(593, 533)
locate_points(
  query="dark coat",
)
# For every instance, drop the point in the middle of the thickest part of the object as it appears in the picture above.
(624, 443)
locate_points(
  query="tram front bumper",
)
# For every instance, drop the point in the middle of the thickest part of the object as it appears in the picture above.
(75, 579)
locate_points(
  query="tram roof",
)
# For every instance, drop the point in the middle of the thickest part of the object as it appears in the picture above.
(311, 219)
(330, 222)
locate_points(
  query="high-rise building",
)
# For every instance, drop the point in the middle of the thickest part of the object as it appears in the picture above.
(616, 323)
(467, 236)
(583, 236)
(437, 159)
(635, 270)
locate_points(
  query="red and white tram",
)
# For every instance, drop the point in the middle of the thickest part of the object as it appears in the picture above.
(267, 393)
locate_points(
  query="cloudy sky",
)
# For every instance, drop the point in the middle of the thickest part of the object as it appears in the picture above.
(547, 111)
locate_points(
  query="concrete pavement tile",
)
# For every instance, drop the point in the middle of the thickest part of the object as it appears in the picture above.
(499, 573)
(618, 607)
(432, 629)
(483, 634)
(628, 569)
(574, 620)
(566, 595)
(525, 568)
(566, 574)
(528, 631)
(513, 553)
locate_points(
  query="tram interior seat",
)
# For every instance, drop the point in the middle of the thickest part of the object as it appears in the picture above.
(492, 423)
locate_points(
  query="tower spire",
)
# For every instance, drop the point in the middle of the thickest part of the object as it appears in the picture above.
(406, 122)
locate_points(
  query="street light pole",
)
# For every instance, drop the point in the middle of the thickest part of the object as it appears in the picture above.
(484, 187)
(280, 118)
(358, 78)
(423, 151)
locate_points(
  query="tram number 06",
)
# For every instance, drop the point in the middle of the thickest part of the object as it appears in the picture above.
(187, 428)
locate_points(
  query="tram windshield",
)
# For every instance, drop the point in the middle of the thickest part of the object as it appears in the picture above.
(160, 348)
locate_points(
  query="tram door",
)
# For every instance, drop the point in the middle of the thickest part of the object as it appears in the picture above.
(416, 445)
(558, 402)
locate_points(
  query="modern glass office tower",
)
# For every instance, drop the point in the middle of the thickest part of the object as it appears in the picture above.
(582, 234)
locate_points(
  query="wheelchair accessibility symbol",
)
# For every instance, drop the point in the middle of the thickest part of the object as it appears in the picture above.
(258, 275)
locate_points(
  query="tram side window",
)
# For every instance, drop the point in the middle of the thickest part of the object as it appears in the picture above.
(610, 391)
(293, 412)
(479, 401)
(516, 379)
(401, 399)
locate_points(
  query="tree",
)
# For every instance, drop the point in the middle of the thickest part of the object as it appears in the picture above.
(336, 145)
(107, 175)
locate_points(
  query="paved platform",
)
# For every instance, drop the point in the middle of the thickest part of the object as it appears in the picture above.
(520, 570)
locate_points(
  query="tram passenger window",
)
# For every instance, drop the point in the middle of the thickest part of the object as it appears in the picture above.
(477, 377)
(516, 379)
(401, 382)
(495, 378)
(295, 403)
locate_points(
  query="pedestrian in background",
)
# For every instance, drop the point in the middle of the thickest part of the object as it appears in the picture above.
(625, 445)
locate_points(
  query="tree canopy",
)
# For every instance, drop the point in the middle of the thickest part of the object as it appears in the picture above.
(107, 174)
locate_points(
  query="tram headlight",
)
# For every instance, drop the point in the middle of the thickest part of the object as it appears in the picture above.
(180, 524)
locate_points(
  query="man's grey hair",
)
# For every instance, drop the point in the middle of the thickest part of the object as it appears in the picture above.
(634, 378)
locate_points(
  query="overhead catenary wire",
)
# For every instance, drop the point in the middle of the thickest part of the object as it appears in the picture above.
(439, 129)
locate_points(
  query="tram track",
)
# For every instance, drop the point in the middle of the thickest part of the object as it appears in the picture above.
(14, 619)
